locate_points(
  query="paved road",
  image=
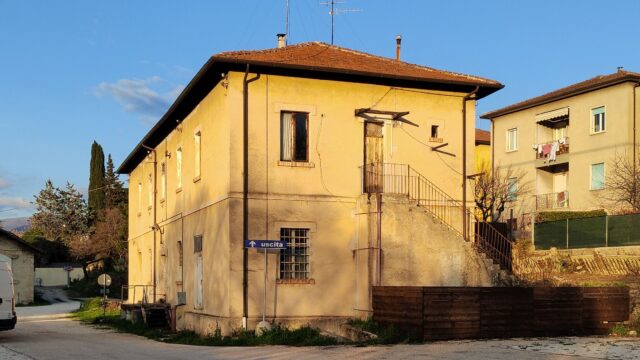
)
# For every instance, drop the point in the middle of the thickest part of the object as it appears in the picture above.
(46, 332)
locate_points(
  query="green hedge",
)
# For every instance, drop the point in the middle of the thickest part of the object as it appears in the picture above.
(546, 216)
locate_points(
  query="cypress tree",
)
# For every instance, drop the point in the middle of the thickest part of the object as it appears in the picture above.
(96, 179)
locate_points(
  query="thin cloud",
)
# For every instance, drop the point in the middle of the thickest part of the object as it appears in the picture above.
(140, 96)
(7, 202)
(3, 183)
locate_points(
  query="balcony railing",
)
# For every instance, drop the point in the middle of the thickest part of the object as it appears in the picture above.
(549, 150)
(555, 200)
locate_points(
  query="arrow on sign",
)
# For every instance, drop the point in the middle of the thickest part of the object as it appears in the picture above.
(252, 243)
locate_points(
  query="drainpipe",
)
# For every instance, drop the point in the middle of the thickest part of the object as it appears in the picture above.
(245, 199)
(634, 142)
(155, 226)
(379, 238)
(466, 98)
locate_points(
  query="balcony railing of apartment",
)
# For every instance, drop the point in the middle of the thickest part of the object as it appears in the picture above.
(556, 200)
(549, 150)
(403, 179)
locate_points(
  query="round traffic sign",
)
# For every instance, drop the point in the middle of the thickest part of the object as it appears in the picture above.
(104, 280)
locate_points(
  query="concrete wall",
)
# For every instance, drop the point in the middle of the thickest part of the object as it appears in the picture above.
(56, 276)
(418, 250)
(585, 148)
(22, 265)
(320, 195)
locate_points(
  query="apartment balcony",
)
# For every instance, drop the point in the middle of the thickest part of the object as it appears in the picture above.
(550, 201)
(553, 153)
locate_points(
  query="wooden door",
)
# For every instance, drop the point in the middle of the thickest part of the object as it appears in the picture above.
(373, 158)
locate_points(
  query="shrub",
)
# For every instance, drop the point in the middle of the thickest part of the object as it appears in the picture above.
(547, 216)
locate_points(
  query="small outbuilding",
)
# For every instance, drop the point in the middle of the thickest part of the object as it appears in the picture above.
(22, 256)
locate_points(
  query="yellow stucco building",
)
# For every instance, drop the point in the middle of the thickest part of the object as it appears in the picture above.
(564, 142)
(482, 158)
(271, 145)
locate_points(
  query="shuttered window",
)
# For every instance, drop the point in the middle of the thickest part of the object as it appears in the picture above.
(597, 176)
(512, 139)
(179, 168)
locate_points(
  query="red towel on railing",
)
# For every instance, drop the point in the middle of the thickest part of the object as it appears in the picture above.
(546, 149)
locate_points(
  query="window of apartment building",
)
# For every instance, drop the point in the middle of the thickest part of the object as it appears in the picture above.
(150, 190)
(197, 147)
(294, 260)
(512, 139)
(294, 136)
(559, 133)
(512, 183)
(163, 182)
(179, 168)
(598, 123)
(139, 197)
(597, 176)
(197, 250)
(180, 254)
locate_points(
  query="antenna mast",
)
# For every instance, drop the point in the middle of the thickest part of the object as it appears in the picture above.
(333, 12)
(286, 24)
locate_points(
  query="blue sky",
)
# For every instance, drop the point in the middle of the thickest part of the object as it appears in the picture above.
(76, 71)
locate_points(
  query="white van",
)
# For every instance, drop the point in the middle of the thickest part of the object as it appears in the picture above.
(7, 299)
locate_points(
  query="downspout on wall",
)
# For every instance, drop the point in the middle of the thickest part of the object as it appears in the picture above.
(154, 227)
(245, 191)
(466, 98)
(635, 144)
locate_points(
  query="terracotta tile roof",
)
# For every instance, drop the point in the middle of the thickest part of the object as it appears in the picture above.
(311, 60)
(483, 137)
(330, 58)
(592, 84)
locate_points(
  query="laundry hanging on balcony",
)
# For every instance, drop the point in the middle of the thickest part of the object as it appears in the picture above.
(549, 151)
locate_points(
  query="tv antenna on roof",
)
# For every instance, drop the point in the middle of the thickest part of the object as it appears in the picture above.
(286, 23)
(334, 11)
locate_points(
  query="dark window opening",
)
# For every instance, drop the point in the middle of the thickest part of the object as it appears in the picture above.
(434, 131)
(294, 136)
(197, 243)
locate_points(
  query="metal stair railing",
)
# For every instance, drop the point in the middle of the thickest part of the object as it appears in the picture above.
(402, 179)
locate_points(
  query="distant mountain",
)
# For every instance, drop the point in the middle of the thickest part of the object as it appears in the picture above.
(16, 225)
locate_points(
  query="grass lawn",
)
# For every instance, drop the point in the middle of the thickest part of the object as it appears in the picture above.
(91, 312)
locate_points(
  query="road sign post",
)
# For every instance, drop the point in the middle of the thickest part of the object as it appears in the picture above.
(104, 280)
(265, 245)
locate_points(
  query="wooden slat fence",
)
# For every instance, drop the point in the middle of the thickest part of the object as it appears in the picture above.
(443, 313)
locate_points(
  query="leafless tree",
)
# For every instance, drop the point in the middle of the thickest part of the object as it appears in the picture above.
(623, 182)
(494, 190)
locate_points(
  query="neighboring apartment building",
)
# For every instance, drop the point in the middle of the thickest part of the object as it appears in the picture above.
(482, 157)
(564, 142)
(22, 264)
(314, 114)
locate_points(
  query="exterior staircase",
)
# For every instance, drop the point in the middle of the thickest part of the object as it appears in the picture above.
(402, 180)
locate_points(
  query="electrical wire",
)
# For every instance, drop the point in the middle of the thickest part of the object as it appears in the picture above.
(431, 147)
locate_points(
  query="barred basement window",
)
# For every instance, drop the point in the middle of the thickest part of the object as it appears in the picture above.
(294, 260)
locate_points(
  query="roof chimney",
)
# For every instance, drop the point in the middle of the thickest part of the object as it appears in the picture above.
(398, 41)
(282, 40)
